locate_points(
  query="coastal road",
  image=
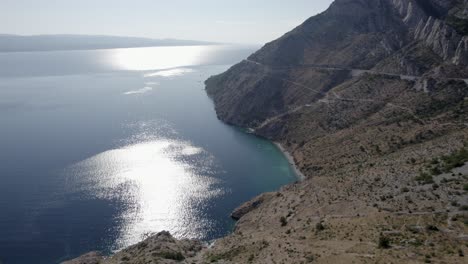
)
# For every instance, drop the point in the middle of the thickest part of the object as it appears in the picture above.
(354, 72)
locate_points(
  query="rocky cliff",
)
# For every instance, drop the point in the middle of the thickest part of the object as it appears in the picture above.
(370, 97)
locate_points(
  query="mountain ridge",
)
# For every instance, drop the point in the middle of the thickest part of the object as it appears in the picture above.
(20, 43)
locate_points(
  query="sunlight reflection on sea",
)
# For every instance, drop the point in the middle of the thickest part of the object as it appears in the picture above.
(163, 183)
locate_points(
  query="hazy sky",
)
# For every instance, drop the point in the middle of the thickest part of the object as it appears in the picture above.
(238, 21)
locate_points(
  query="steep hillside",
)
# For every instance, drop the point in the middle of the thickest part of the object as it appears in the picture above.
(368, 97)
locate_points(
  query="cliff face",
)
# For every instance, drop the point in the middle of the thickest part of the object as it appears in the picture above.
(370, 98)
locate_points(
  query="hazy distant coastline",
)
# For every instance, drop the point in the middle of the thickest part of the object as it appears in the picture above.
(18, 43)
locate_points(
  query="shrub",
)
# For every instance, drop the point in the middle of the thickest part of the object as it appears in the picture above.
(436, 171)
(384, 242)
(283, 221)
(455, 160)
(319, 226)
(310, 258)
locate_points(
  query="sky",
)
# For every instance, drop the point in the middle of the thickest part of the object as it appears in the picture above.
(229, 21)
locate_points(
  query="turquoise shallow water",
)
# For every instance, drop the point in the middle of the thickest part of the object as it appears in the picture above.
(100, 148)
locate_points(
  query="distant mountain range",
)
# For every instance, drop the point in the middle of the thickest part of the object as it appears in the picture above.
(17, 43)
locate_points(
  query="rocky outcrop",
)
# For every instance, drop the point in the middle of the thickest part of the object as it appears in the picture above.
(409, 12)
(251, 205)
(160, 248)
(461, 55)
(440, 37)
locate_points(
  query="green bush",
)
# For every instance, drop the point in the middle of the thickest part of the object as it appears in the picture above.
(455, 160)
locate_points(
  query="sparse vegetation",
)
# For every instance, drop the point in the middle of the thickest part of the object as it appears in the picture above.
(445, 164)
(424, 178)
(455, 160)
(384, 242)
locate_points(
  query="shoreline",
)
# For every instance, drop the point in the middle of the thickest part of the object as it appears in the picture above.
(301, 177)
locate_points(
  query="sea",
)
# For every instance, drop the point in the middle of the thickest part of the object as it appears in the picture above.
(102, 148)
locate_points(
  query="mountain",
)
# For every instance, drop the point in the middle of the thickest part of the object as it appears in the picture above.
(15, 43)
(393, 37)
(370, 98)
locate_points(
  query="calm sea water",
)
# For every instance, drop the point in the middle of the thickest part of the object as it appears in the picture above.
(100, 148)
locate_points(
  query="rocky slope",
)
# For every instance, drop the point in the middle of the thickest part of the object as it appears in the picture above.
(160, 248)
(371, 99)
